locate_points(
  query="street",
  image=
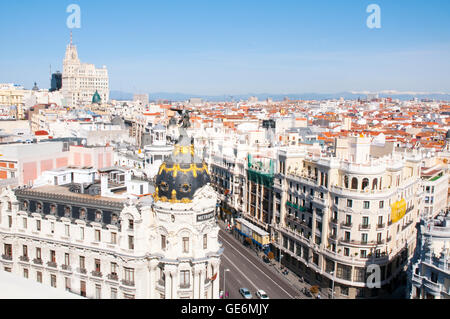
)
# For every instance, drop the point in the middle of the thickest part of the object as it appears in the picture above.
(247, 270)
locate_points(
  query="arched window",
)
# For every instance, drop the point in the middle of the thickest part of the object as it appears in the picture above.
(365, 183)
(354, 183)
(346, 181)
(67, 211)
(375, 184)
(53, 209)
(39, 207)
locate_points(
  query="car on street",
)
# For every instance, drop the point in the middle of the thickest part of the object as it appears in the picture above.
(245, 293)
(261, 294)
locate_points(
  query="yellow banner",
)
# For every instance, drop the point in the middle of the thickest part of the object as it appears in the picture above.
(398, 210)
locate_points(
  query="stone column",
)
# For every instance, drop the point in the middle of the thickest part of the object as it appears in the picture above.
(216, 283)
(174, 281)
(152, 279)
(168, 284)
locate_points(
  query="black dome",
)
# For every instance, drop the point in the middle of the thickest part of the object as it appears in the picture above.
(181, 175)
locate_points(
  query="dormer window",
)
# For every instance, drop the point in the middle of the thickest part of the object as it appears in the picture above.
(67, 211)
(98, 216)
(82, 213)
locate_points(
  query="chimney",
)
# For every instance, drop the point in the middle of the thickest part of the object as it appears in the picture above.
(128, 176)
(104, 184)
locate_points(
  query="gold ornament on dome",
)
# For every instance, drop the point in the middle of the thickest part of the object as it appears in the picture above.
(176, 168)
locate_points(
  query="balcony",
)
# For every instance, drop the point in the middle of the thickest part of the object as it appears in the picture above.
(7, 257)
(37, 261)
(113, 277)
(407, 225)
(185, 286)
(363, 227)
(346, 225)
(128, 283)
(52, 264)
(66, 267)
(82, 271)
(381, 226)
(333, 221)
(97, 274)
(24, 258)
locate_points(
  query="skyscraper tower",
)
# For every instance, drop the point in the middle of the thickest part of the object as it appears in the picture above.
(80, 81)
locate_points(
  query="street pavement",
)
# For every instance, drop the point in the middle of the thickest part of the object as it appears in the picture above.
(248, 270)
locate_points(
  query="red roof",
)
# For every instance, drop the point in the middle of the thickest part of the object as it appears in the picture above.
(41, 133)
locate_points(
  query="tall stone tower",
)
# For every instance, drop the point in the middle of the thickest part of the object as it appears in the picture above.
(80, 81)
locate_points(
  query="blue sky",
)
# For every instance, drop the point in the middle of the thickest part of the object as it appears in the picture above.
(234, 46)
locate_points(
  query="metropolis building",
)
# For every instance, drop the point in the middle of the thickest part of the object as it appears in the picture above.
(92, 240)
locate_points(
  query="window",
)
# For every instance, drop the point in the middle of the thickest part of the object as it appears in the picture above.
(346, 252)
(97, 235)
(366, 204)
(8, 250)
(38, 253)
(347, 236)
(379, 238)
(129, 275)
(364, 238)
(83, 288)
(25, 250)
(38, 225)
(113, 293)
(39, 277)
(25, 273)
(66, 259)
(81, 233)
(348, 220)
(9, 221)
(67, 282)
(98, 292)
(163, 242)
(53, 281)
(82, 262)
(98, 216)
(97, 265)
(131, 242)
(24, 223)
(185, 278)
(113, 238)
(113, 269)
(336, 200)
(349, 203)
(205, 241)
(131, 224)
(381, 204)
(363, 253)
(67, 232)
(52, 256)
(365, 221)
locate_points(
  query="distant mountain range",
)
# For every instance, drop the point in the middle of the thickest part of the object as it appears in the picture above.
(179, 97)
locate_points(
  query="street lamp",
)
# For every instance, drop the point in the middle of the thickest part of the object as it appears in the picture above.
(224, 273)
(332, 286)
(281, 257)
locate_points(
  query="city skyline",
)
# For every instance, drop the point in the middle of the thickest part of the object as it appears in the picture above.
(203, 48)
